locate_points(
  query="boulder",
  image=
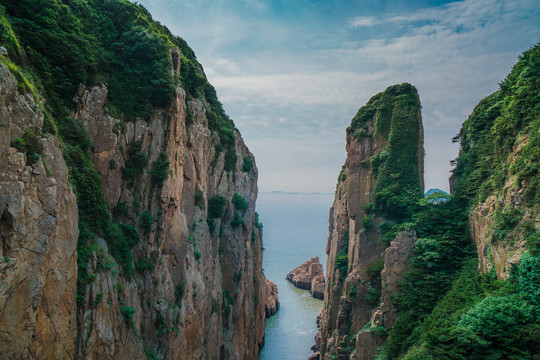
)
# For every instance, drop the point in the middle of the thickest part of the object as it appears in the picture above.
(309, 276)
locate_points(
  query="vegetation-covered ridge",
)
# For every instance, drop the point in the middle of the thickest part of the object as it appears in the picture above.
(378, 190)
(448, 309)
(54, 46)
(397, 169)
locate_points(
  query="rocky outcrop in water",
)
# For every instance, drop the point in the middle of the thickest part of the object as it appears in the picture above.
(309, 276)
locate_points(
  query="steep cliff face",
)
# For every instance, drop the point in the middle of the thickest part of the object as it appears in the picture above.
(38, 234)
(471, 288)
(382, 174)
(497, 169)
(153, 248)
(219, 310)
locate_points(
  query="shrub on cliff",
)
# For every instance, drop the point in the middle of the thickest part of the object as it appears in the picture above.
(160, 170)
(216, 207)
(342, 264)
(146, 220)
(248, 165)
(239, 202)
(136, 162)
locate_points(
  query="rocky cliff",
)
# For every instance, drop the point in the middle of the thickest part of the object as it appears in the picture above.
(383, 171)
(199, 287)
(460, 277)
(497, 169)
(38, 234)
(157, 250)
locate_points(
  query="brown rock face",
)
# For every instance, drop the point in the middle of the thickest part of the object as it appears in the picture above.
(38, 236)
(205, 293)
(396, 263)
(271, 305)
(309, 276)
(317, 287)
(198, 290)
(362, 271)
(500, 254)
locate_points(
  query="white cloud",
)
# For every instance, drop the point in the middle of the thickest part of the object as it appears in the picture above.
(293, 90)
(363, 21)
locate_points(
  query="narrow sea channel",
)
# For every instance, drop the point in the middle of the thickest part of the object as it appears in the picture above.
(295, 229)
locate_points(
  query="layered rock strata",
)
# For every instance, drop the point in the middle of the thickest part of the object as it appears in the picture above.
(309, 276)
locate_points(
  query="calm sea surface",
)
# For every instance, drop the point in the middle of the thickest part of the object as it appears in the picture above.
(295, 229)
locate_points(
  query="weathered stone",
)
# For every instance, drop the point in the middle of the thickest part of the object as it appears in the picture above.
(500, 255)
(226, 296)
(317, 345)
(309, 276)
(198, 290)
(354, 236)
(271, 304)
(38, 236)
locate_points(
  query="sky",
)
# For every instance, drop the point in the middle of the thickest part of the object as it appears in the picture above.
(292, 74)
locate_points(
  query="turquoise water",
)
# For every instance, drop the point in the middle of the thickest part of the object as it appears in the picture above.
(295, 229)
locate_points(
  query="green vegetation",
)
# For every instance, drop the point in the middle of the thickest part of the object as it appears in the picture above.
(237, 220)
(397, 187)
(160, 170)
(128, 312)
(256, 221)
(146, 220)
(447, 309)
(30, 144)
(478, 318)
(147, 263)
(342, 174)
(248, 165)
(216, 207)
(179, 293)
(199, 199)
(374, 269)
(230, 159)
(342, 264)
(136, 162)
(500, 122)
(69, 43)
(239, 202)
(193, 242)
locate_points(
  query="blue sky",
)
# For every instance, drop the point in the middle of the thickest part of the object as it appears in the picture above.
(292, 74)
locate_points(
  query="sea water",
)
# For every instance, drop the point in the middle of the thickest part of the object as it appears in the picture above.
(295, 230)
